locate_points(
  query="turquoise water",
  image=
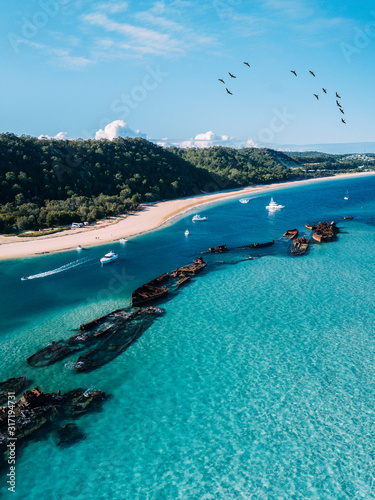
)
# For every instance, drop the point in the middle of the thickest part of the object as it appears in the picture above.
(257, 383)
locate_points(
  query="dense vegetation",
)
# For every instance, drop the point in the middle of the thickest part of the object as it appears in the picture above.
(333, 163)
(48, 182)
(313, 157)
(241, 167)
(45, 183)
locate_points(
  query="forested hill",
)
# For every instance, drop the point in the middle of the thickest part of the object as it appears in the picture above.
(244, 166)
(44, 183)
(50, 182)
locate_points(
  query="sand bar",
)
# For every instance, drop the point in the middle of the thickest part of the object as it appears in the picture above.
(150, 218)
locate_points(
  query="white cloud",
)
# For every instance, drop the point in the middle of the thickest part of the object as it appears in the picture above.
(152, 31)
(117, 128)
(164, 143)
(63, 57)
(61, 136)
(107, 34)
(291, 8)
(190, 37)
(112, 7)
(208, 140)
(137, 38)
(251, 144)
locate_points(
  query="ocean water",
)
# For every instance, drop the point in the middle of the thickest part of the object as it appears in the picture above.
(257, 383)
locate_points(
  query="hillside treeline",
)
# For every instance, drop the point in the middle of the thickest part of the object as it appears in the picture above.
(47, 183)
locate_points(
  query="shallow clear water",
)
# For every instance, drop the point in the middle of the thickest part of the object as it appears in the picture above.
(257, 383)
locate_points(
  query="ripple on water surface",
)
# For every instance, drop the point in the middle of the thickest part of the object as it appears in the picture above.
(257, 383)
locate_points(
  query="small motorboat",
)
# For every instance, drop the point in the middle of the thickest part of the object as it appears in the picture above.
(274, 206)
(244, 200)
(79, 247)
(123, 240)
(198, 217)
(24, 278)
(109, 257)
(187, 232)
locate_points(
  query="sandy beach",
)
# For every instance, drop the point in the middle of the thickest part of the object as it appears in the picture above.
(151, 217)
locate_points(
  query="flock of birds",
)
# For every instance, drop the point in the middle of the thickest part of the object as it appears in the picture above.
(295, 74)
(325, 91)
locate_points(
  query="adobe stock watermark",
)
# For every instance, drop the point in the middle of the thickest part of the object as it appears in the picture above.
(361, 40)
(225, 8)
(277, 124)
(123, 105)
(31, 25)
(68, 164)
(12, 439)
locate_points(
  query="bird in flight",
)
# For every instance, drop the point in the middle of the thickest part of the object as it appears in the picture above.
(294, 73)
(338, 104)
(343, 121)
(221, 80)
(316, 95)
(311, 73)
(247, 64)
(342, 111)
(324, 90)
(228, 91)
(232, 76)
(338, 96)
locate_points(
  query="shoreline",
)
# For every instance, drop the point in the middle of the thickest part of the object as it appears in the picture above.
(152, 217)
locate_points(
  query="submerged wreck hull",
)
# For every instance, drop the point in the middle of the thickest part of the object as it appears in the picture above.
(102, 355)
(151, 291)
(119, 340)
(259, 245)
(146, 294)
(56, 351)
(218, 249)
(91, 324)
(183, 281)
(291, 234)
(325, 232)
(12, 385)
(300, 246)
(190, 270)
(98, 337)
(37, 410)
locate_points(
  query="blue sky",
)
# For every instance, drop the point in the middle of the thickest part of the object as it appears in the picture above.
(152, 69)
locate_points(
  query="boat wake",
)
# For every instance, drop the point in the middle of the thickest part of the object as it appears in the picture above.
(89, 391)
(61, 269)
(69, 365)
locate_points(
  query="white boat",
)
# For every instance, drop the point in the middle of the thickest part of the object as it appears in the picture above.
(79, 247)
(123, 240)
(346, 197)
(244, 200)
(24, 278)
(187, 232)
(274, 206)
(198, 217)
(108, 257)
